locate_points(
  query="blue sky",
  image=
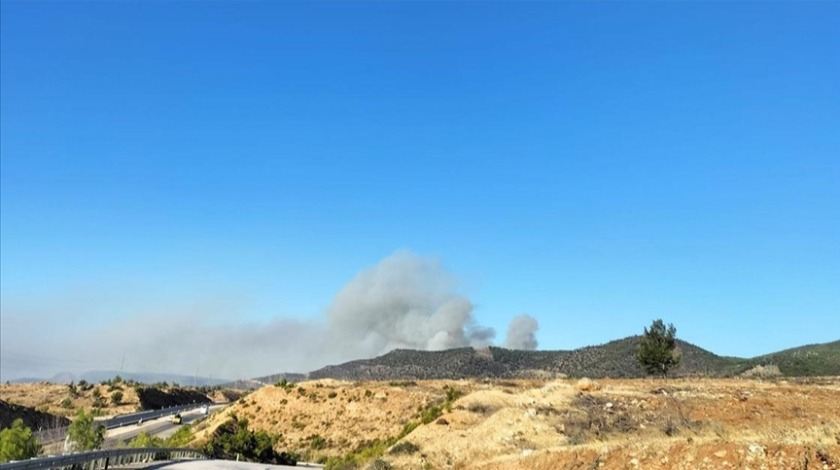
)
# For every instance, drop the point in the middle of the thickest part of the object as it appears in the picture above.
(595, 165)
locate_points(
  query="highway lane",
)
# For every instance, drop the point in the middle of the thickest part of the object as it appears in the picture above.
(222, 465)
(161, 427)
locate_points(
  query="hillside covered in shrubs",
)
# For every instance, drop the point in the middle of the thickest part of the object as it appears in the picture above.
(614, 359)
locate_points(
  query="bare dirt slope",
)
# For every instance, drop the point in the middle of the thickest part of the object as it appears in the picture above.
(565, 424)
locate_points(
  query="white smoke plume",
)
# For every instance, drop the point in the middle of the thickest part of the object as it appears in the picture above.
(521, 333)
(405, 301)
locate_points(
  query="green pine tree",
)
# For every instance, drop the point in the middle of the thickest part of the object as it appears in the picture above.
(85, 433)
(657, 349)
(18, 443)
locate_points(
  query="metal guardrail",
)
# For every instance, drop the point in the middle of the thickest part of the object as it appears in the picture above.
(102, 459)
(133, 418)
(48, 436)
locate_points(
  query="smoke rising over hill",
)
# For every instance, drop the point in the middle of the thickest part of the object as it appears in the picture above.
(521, 333)
(405, 301)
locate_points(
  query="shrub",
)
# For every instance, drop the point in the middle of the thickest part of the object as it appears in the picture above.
(591, 418)
(404, 447)
(84, 433)
(145, 439)
(479, 408)
(430, 414)
(233, 440)
(452, 393)
(181, 437)
(116, 398)
(379, 464)
(317, 442)
(18, 443)
(407, 429)
(67, 403)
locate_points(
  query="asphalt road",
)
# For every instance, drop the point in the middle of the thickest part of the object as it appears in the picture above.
(222, 465)
(160, 427)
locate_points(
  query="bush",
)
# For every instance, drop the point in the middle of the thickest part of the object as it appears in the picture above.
(452, 393)
(479, 408)
(181, 437)
(233, 440)
(379, 464)
(590, 418)
(18, 443)
(317, 442)
(84, 433)
(116, 398)
(430, 414)
(404, 447)
(67, 403)
(145, 439)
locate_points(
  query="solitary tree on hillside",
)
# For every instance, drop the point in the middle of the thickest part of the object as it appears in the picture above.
(657, 349)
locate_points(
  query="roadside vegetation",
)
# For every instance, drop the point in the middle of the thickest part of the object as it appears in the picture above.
(181, 438)
(234, 441)
(84, 433)
(18, 443)
(370, 452)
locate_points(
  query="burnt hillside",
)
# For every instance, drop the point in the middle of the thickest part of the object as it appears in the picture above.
(31, 417)
(155, 399)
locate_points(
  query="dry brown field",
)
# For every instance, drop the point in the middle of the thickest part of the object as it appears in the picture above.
(562, 424)
(50, 398)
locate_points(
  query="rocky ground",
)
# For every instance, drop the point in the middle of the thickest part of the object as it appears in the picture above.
(563, 424)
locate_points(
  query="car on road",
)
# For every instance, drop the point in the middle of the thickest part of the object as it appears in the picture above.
(176, 419)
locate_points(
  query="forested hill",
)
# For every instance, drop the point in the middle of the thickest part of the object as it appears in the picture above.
(613, 359)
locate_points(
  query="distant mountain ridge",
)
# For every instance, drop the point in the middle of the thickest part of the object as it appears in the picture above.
(614, 359)
(141, 377)
(257, 382)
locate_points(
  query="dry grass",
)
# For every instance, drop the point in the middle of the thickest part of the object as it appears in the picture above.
(651, 424)
(57, 399)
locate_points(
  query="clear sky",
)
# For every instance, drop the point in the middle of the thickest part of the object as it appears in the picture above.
(595, 165)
